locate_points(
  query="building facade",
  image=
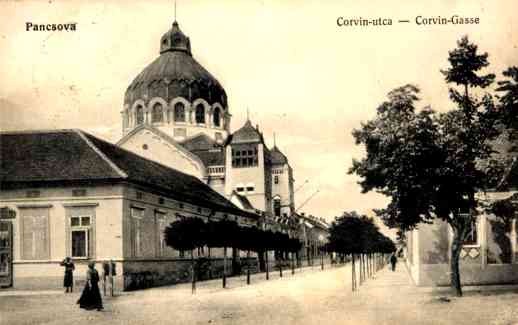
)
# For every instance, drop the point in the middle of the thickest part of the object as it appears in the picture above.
(177, 113)
(490, 253)
(72, 194)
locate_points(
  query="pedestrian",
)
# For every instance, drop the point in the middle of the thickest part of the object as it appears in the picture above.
(91, 296)
(68, 280)
(393, 261)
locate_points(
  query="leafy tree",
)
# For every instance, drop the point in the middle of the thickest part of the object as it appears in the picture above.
(222, 233)
(509, 101)
(429, 163)
(357, 235)
(186, 235)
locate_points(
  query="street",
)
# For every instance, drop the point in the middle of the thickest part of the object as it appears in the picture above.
(311, 296)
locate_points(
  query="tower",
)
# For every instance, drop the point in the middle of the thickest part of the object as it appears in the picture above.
(177, 95)
(248, 167)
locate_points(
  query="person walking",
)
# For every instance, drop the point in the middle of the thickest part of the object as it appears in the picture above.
(393, 261)
(91, 297)
(68, 280)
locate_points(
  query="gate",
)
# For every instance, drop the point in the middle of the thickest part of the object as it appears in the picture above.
(6, 254)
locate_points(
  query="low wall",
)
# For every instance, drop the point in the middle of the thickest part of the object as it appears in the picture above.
(140, 274)
(49, 275)
(490, 274)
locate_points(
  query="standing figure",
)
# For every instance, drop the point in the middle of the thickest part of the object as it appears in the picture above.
(68, 280)
(393, 261)
(91, 297)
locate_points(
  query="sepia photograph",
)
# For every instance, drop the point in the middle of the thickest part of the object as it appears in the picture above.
(259, 162)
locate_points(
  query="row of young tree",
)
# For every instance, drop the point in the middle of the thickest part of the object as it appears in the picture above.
(188, 234)
(357, 237)
(432, 164)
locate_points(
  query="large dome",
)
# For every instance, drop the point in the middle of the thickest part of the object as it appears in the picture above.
(176, 94)
(175, 73)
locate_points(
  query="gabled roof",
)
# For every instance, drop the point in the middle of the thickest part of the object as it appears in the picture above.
(510, 179)
(200, 141)
(246, 134)
(40, 157)
(243, 200)
(505, 149)
(163, 136)
(277, 157)
(205, 148)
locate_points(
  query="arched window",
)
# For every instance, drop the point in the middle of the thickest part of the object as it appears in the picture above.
(179, 112)
(140, 115)
(158, 113)
(200, 114)
(125, 120)
(277, 206)
(216, 117)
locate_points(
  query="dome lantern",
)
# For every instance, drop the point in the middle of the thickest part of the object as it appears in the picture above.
(175, 40)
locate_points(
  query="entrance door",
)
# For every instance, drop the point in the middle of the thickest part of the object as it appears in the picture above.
(6, 254)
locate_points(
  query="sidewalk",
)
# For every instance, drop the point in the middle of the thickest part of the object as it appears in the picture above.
(309, 297)
(393, 298)
(206, 286)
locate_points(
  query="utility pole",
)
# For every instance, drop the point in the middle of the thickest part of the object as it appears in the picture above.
(307, 200)
(302, 185)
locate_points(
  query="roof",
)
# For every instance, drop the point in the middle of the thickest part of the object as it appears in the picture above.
(176, 70)
(277, 157)
(72, 155)
(247, 133)
(505, 149)
(205, 148)
(243, 200)
(510, 179)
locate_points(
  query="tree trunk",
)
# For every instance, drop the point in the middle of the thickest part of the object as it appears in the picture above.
(292, 263)
(456, 248)
(353, 273)
(360, 260)
(193, 273)
(248, 267)
(262, 267)
(210, 264)
(224, 267)
(267, 267)
(280, 267)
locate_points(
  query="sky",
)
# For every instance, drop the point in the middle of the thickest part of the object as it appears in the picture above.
(288, 62)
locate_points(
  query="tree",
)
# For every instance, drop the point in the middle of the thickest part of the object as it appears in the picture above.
(357, 235)
(509, 101)
(186, 235)
(428, 163)
(222, 233)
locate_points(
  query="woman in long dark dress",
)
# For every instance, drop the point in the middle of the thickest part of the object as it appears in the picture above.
(91, 296)
(68, 280)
